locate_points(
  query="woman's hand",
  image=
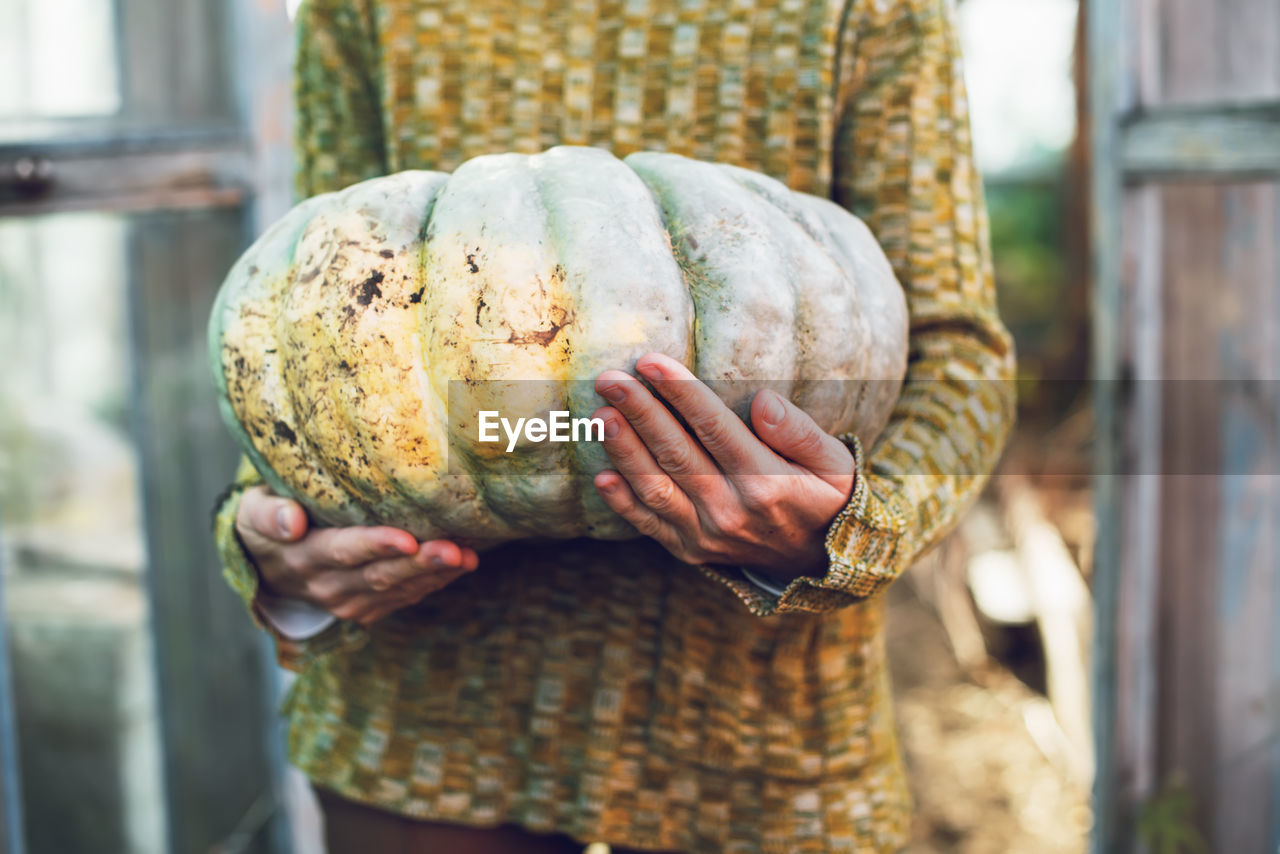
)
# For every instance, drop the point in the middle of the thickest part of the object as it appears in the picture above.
(722, 494)
(360, 574)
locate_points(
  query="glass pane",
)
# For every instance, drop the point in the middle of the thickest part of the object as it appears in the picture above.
(211, 658)
(69, 493)
(69, 497)
(111, 454)
(103, 67)
(81, 82)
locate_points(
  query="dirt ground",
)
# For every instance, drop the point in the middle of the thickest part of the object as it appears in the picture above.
(983, 783)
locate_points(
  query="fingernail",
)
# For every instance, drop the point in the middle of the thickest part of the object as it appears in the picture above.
(608, 486)
(282, 521)
(651, 371)
(613, 393)
(773, 411)
(438, 562)
(611, 428)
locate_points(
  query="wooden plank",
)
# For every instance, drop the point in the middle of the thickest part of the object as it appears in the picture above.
(102, 138)
(101, 177)
(1247, 700)
(1220, 708)
(162, 200)
(262, 50)
(211, 669)
(1187, 731)
(200, 69)
(1220, 712)
(1136, 647)
(1062, 606)
(173, 68)
(1222, 52)
(12, 838)
(1205, 143)
(1248, 592)
(1106, 83)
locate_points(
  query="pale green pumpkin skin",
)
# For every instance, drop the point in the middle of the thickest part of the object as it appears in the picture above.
(337, 336)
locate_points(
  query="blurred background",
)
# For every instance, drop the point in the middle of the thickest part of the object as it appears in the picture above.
(1091, 661)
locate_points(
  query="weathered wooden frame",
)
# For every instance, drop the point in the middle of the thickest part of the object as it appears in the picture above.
(1135, 149)
(244, 166)
(1218, 142)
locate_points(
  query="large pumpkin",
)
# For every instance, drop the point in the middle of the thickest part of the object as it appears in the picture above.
(354, 343)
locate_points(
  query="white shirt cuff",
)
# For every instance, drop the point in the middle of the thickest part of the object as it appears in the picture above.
(764, 584)
(293, 618)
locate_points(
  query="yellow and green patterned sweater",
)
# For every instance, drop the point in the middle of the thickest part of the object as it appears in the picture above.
(606, 690)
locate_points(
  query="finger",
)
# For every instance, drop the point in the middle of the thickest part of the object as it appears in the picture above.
(355, 546)
(416, 588)
(677, 452)
(406, 594)
(617, 493)
(270, 516)
(358, 607)
(332, 587)
(656, 489)
(790, 432)
(401, 576)
(624, 501)
(722, 433)
(431, 558)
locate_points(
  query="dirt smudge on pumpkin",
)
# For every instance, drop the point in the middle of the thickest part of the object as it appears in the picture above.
(472, 266)
(284, 431)
(387, 253)
(348, 316)
(544, 337)
(368, 290)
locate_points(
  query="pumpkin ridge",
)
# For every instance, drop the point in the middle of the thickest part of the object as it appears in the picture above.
(281, 461)
(548, 199)
(719, 235)
(318, 310)
(823, 288)
(387, 420)
(513, 253)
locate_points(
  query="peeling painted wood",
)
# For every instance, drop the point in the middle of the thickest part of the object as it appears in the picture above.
(1203, 143)
(1188, 581)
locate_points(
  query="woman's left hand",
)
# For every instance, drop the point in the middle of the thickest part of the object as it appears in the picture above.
(722, 494)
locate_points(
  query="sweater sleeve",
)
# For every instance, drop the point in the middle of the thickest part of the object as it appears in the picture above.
(338, 116)
(904, 164)
(338, 140)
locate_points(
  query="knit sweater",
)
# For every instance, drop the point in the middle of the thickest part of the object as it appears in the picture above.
(605, 689)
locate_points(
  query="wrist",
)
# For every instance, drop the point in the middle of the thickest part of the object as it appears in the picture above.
(812, 563)
(771, 586)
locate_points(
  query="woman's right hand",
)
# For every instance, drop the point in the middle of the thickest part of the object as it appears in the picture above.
(356, 573)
